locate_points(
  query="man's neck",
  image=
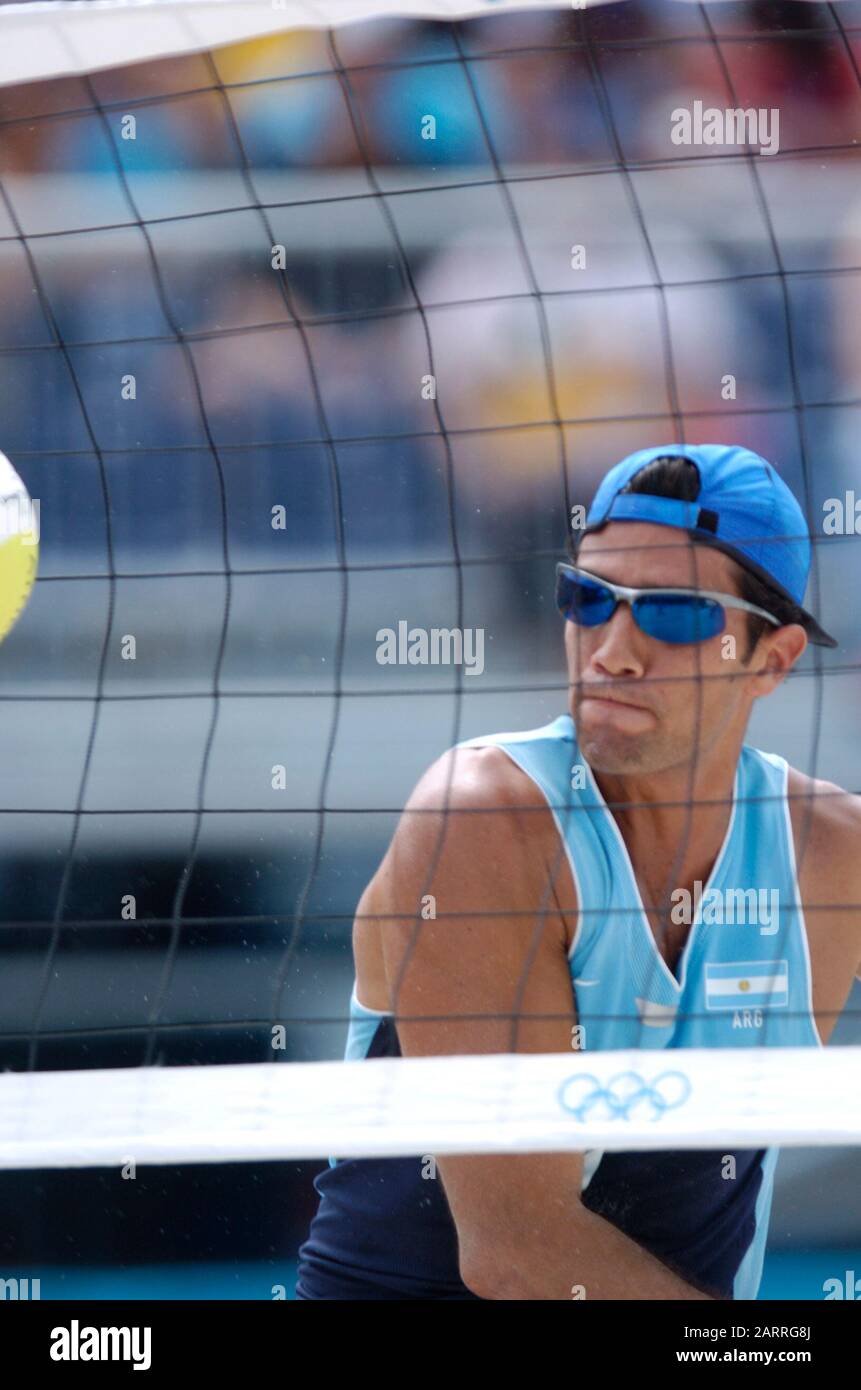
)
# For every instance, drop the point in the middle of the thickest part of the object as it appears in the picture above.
(674, 820)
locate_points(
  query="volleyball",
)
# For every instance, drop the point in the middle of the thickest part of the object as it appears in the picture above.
(19, 547)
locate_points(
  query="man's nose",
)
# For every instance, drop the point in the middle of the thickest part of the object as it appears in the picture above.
(618, 648)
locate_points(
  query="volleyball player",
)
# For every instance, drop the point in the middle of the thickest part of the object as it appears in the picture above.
(556, 857)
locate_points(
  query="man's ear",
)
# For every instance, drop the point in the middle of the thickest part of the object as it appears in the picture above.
(784, 647)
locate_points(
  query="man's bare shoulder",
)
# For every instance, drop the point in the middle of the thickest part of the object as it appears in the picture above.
(475, 816)
(827, 829)
(835, 813)
(481, 778)
(827, 821)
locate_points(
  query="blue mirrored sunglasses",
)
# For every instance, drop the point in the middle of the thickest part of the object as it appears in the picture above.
(680, 616)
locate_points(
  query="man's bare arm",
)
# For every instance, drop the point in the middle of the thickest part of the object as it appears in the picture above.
(493, 956)
(829, 862)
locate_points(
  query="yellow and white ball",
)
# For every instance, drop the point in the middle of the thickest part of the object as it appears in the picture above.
(19, 547)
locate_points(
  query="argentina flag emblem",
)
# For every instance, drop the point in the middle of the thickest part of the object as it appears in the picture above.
(754, 984)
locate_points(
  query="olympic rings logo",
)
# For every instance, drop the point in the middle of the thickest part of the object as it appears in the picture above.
(579, 1094)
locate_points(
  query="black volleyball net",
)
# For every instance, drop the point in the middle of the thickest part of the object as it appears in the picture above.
(321, 322)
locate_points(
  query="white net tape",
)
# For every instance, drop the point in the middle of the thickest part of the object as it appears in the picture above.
(695, 1099)
(53, 37)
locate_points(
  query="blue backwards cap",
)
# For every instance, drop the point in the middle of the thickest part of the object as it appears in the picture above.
(743, 508)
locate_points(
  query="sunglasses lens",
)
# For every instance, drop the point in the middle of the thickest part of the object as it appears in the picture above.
(584, 601)
(678, 618)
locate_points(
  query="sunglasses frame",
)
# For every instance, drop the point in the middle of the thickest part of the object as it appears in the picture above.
(622, 593)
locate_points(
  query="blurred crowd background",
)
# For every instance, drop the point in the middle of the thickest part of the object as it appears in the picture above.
(163, 388)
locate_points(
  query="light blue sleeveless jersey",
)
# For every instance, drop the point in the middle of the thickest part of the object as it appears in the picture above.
(744, 976)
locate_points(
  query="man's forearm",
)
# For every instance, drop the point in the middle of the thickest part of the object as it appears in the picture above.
(586, 1257)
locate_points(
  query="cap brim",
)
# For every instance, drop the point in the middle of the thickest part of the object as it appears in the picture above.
(817, 634)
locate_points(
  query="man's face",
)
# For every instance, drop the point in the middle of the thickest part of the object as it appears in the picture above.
(641, 705)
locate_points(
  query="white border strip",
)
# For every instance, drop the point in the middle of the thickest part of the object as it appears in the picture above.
(53, 38)
(503, 1103)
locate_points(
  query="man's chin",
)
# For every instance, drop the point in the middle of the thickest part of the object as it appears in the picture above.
(604, 754)
(614, 750)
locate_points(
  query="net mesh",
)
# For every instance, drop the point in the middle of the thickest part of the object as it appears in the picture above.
(274, 360)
